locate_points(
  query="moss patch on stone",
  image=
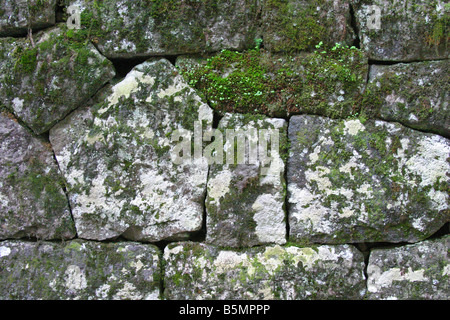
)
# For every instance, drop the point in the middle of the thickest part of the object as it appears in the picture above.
(329, 81)
(51, 77)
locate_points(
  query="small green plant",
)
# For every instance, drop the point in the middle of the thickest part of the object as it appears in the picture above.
(258, 43)
(258, 81)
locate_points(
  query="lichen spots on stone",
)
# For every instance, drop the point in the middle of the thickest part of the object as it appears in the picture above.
(75, 278)
(219, 185)
(131, 186)
(4, 252)
(339, 185)
(353, 127)
(128, 86)
(255, 273)
(269, 218)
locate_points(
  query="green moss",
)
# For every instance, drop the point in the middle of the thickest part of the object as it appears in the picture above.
(26, 59)
(36, 7)
(258, 82)
(401, 81)
(47, 187)
(299, 28)
(165, 17)
(39, 74)
(72, 245)
(437, 33)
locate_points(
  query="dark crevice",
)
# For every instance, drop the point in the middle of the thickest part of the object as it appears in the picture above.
(63, 185)
(19, 121)
(364, 249)
(200, 236)
(384, 244)
(162, 272)
(286, 203)
(390, 63)
(443, 231)
(406, 125)
(172, 59)
(356, 42)
(216, 119)
(16, 35)
(124, 66)
(60, 12)
(46, 137)
(162, 244)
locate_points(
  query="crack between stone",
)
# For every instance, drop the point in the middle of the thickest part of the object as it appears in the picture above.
(409, 127)
(64, 187)
(390, 62)
(286, 198)
(353, 24)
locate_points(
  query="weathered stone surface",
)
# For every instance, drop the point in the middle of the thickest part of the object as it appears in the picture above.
(355, 181)
(32, 200)
(79, 270)
(16, 16)
(244, 204)
(297, 25)
(199, 271)
(412, 272)
(41, 84)
(116, 158)
(127, 28)
(404, 31)
(414, 94)
(328, 81)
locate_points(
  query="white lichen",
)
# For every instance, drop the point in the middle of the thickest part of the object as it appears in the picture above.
(75, 278)
(269, 217)
(4, 252)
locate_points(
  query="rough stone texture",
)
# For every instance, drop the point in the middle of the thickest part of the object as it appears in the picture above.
(79, 270)
(350, 181)
(199, 271)
(408, 30)
(127, 28)
(116, 158)
(328, 81)
(297, 25)
(244, 205)
(32, 200)
(16, 16)
(41, 84)
(412, 272)
(414, 94)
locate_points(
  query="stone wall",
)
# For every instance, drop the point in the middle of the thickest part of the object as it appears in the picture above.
(353, 204)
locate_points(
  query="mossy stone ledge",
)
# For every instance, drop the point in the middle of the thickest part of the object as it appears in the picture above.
(126, 29)
(418, 271)
(79, 270)
(197, 271)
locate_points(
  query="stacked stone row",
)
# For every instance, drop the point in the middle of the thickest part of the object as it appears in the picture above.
(86, 158)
